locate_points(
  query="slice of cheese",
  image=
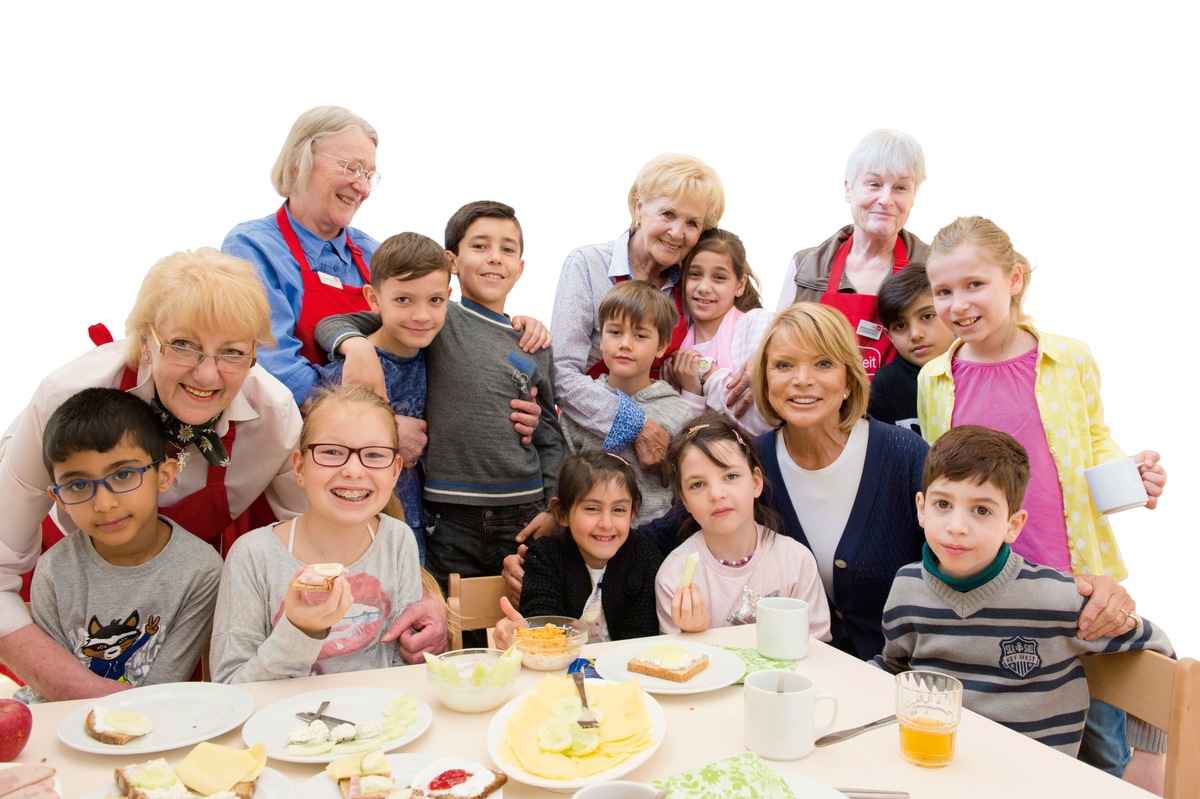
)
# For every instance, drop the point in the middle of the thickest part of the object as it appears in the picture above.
(210, 768)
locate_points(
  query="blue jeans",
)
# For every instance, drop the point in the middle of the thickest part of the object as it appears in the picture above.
(472, 540)
(1103, 744)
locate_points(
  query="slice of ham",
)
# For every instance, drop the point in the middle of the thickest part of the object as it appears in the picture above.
(18, 781)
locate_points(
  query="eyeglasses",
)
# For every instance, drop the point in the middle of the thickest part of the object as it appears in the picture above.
(231, 363)
(336, 455)
(354, 170)
(122, 481)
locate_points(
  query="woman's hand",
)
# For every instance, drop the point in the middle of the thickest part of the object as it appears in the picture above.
(1154, 477)
(685, 366)
(688, 611)
(651, 448)
(525, 416)
(420, 628)
(1109, 611)
(536, 336)
(413, 438)
(315, 619)
(740, 396)
(542, 524)
(506, 627)
(362, 365)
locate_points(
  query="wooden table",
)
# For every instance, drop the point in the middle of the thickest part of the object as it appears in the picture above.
(990, 760)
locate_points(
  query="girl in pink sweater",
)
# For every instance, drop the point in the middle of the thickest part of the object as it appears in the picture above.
(718, 478)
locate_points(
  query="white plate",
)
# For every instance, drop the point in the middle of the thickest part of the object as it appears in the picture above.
(271, 785)
(724, 668)
(495, 734)
(272, 724)
(404, 768)
(183, 713)
(806, 788)
(56, 784)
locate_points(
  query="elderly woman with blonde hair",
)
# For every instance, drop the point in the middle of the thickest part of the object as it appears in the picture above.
(192, 341)
(845, 272)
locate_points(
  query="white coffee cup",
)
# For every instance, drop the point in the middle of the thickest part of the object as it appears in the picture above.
(1116, 486)
(620, 789)
(780, 726)
(781, 628)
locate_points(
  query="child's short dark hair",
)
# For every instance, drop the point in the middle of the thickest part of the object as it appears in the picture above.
(703, 433)
(464, 217)
(579, 473)
(979, 455)
(97, 420)
(408, 256)
(899, 289)
(640, 303)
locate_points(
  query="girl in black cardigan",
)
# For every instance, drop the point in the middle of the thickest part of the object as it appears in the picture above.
(595, 569)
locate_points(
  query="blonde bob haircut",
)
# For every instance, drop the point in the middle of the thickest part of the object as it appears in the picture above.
(200, 290)
(295, 162)
(679, 176)
(820, 329)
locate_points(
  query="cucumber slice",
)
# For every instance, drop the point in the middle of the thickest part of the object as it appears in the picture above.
(567, 708)
(689, 569)
(584, 741)
(154, 777)
(373, 761)
(353, 745)
(555, 735)
(310, 750)
(403, 703)
(373, 785)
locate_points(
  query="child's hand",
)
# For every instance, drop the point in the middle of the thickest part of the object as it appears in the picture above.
(504, 633)
(314, 619)
(685, 367)
(535, 337)
(1154, 478)
(688, 610)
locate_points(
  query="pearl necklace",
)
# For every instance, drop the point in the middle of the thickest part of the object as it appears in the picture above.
(736, 563)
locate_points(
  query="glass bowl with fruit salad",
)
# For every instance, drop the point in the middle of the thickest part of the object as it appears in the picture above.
(549, 643)
(474, 680)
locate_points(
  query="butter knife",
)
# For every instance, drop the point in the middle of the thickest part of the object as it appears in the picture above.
(841, 735)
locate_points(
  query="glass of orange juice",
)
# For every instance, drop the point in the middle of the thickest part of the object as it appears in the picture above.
(928, 705)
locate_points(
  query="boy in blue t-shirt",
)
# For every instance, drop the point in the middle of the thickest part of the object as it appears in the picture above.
(409, 291)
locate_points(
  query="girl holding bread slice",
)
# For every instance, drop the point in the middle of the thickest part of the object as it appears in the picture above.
(720, 571)
(278, 617)
(595, 570)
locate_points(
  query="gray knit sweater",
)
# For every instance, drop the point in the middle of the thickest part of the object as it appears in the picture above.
(1012, 644)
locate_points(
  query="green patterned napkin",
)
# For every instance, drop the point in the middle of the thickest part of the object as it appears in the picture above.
(746, 776)
(756, 662)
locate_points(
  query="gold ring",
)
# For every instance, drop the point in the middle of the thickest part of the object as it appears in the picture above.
(1122, 610)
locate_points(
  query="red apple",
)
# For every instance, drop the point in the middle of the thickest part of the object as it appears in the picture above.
(16, 722)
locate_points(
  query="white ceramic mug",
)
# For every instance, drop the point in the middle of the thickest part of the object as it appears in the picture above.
(781, 726)
(1116, 486)
(781, 628)
(621, 789)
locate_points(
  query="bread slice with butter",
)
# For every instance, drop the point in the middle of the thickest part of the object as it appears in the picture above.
(116, 727)
(349, 770)
(668, 662)
(154, 778)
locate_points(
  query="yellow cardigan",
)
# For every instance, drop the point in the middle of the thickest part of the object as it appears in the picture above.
(1067, 387)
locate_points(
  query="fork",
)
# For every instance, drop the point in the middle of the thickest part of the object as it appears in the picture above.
(586, 719)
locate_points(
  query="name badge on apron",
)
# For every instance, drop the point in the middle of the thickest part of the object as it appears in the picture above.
(869, 329)
(330, 280)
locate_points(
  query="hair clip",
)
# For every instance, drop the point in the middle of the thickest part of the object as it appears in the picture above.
(697, 427)
(738, 436)
(618, 457)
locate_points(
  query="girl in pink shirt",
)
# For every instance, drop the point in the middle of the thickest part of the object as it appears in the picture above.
(718, 477)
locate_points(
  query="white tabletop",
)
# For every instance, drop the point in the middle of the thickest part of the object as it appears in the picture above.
(989, 760)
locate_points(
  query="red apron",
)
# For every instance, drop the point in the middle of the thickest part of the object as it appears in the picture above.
(320, 299)
(677, 336)
(862, 309)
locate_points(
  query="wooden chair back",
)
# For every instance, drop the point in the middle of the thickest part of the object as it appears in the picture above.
(1163, 692)
(474, 604)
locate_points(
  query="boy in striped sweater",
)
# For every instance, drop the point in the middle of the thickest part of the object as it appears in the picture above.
(977, 610)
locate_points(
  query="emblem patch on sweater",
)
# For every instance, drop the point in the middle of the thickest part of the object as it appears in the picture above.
(1019, 655)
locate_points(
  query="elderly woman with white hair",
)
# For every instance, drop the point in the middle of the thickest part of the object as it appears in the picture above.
(883, 174)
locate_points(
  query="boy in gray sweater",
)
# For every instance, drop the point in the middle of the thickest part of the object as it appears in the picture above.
(978, 611)
(132, 594)
(636, 320)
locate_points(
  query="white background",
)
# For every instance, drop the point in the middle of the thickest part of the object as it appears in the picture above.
(136, 130)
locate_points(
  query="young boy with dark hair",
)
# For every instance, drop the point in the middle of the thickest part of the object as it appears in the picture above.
(907, 314)
(409, 293)
(636, 320)
(482, 486)
(132, 594)
(978, 611)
